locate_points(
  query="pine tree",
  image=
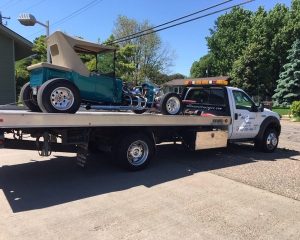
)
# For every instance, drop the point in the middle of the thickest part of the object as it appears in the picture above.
(288, 84)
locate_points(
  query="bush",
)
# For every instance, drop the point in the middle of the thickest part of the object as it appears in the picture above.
(295, 108)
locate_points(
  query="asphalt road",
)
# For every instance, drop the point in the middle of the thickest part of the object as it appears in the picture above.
(234, 193)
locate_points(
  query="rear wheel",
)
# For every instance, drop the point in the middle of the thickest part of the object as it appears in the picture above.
(171, 104)
(59, 96)
(28, 99)
(134, 152)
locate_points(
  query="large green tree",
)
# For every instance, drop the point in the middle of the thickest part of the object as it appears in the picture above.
(228, 38)
(252, 47)
(288, 87)
(259, 64)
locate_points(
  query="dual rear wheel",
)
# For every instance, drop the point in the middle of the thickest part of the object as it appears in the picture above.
(133, 151)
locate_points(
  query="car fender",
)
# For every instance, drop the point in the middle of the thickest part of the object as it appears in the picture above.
(268, 122)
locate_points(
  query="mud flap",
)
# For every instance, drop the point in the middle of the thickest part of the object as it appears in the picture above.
(82, 155)
(1, 139)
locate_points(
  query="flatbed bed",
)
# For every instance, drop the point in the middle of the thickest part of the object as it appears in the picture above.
(131, 138)
(25, 119)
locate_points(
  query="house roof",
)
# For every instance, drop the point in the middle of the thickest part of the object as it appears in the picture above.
(180, 82)
(23, 47)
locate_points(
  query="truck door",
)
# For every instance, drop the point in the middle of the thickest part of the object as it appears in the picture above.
(245, 116)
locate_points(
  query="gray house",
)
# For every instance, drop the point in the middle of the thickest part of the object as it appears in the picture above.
(13, 47)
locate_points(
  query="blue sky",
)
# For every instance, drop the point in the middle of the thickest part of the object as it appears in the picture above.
(187, 41)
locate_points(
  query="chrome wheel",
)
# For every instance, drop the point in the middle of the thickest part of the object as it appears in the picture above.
(272, 141)
(173, 105)
(62, 98)
(137, 153)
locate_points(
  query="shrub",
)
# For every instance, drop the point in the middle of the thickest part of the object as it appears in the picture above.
(295, 108)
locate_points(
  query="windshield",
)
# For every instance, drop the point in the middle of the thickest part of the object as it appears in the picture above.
(106, 63)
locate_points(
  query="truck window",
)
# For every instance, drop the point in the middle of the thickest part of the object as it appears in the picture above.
(242, 100)
(207, 96)
(217, 97)
(199, 95)
(212, 100)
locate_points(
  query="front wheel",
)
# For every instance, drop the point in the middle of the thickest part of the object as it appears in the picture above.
(171, 104)
(269, 142)
(59, 96)
(134, 151)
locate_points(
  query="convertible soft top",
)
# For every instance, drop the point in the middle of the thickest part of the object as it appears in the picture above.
(64, 49)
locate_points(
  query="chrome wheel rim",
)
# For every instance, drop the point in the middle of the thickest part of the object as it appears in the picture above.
(137, 153)
(62, 98)
(173, 105)
(272, 141)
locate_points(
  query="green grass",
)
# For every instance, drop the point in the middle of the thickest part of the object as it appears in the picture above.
(282, 111)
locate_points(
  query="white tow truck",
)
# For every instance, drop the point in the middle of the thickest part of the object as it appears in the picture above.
(213, 114)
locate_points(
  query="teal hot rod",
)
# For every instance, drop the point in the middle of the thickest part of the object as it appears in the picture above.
(66, 84)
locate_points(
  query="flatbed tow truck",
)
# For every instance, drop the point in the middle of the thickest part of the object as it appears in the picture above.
(208, 113)
(212, 116)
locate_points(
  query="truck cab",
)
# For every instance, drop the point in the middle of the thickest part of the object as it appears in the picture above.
(249, 121)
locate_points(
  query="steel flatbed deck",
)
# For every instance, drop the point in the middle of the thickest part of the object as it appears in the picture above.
(25, 119)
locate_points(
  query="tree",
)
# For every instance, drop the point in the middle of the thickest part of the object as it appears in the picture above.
(150, 58)
(40, 49)
(22, 74)
(288, 84)
(40, 55)
(251, 71)
(205, 67)
(252, 47)
(228, 38)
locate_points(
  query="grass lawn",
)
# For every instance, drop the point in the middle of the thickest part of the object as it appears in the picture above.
(282, 111)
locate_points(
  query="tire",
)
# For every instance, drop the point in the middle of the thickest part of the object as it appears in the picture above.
(28, 99)
(133, 152)
(269, 141)
(139, 111)
(171, 104)
(59, 96)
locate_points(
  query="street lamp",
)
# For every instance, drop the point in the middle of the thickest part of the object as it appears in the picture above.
(28, 19)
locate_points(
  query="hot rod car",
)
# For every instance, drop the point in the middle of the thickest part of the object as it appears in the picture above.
(65, 84)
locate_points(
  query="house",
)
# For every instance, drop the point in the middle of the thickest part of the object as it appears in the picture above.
(13, 47)
(177, 85)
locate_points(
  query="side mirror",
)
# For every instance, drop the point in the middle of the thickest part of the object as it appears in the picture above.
(261, 107)
(254, 108)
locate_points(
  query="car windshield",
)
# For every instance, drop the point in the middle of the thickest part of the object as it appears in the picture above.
(105, 62)
(102, 63)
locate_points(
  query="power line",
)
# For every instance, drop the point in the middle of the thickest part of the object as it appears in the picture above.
(34, 5)
(77, 12)
(177, 24)
(177, 19)
(71, 15)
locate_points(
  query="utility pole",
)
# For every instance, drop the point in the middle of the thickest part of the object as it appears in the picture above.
(1, 18)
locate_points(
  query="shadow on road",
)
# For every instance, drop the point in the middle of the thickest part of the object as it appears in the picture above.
(41, 184)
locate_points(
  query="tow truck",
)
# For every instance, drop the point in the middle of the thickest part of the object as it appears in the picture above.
(212, 115)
